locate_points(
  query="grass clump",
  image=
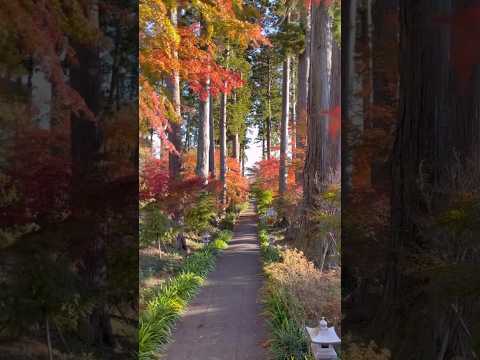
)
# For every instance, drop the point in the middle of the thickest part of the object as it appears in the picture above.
(270, 253)
(288, 338)
(166, 302)
(222, 239)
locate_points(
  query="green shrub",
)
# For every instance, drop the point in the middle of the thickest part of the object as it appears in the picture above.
(224, 235)
(154, 225)
(221, 240)
(228, 221)
(198, 218)
(270, 253)
(264, 199)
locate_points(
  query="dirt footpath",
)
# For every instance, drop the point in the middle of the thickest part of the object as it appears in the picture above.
(224, 320)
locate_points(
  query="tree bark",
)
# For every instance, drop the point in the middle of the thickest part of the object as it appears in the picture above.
(86, 135)
(437, 131)
(282, 186)
(303, 76)
(293, 113)
(236, 147)
(269, 118)
(174, 135)
(203, 149)
(334, 136)
(352, 109)
(319, 169)
(223, 147)
(211, 164)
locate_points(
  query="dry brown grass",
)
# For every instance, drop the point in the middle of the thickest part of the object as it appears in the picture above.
(365, 352)
(317, 293)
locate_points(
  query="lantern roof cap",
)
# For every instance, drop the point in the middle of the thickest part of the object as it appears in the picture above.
(323, 334)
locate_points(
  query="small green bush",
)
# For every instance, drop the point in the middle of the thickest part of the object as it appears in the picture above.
(221, 240)
(154, 225)
(270, 253)
(264, 199)
(224, 235)
(198, 218)
(228, 222)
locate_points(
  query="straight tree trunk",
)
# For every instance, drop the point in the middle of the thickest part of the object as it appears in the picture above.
(223, 147)
(303, 76)
(282, 186)
(352, 109)
(211, 164)
(203, 149)
(437, 132)
(49, 340)
(319, 170)
(263, 147)
(293, 114)
(242, 160)
(334, 137)
(269, 118)
(236, 147)
(86, 137)
(174, 135)
(175, 160)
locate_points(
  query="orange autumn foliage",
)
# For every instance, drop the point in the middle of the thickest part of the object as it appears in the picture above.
(266, 175)
(190, 51)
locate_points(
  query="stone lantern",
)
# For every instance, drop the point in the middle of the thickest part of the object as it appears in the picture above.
(323, 338)
(206, 238)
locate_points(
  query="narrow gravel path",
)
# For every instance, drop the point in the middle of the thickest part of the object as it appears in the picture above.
(224, 320)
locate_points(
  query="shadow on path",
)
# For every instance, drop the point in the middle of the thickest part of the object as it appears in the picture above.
(224, 320)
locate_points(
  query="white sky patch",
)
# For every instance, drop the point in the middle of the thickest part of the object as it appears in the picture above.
(254, 151)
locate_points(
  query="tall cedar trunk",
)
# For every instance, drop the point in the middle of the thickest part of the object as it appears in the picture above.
(263, 147)
(282, 180)
(437, 130)
(303, 76)
(223, 147)
(86, 141)
(368, 76)
(211, 161)
(385, 87)
(174, 135)
(269, 117)
(352, 109)
(203, 150)
(236, 147)
(334, 138)
(242, 160)
(319, 169)
(293, 113)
